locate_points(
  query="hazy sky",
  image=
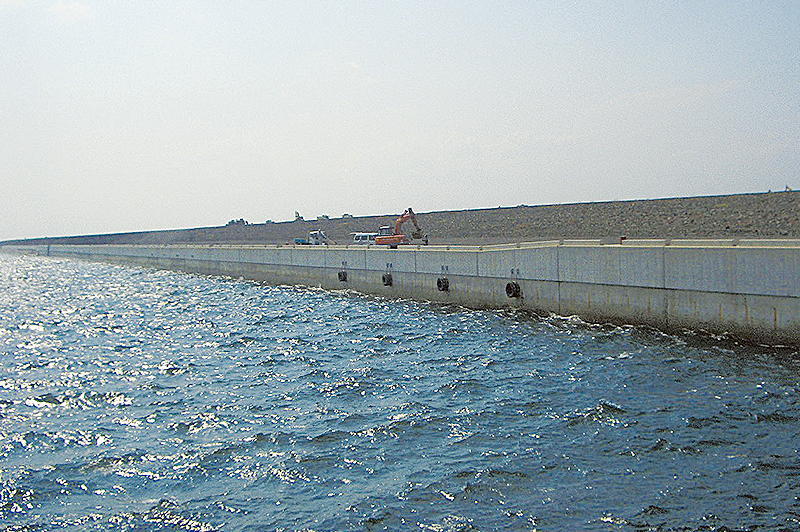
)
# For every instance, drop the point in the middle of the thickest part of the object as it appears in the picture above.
(135, 115)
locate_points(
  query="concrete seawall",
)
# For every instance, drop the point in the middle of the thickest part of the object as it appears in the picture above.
(748, 288)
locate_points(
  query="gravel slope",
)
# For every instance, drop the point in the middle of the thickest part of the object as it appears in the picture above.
(761, 215)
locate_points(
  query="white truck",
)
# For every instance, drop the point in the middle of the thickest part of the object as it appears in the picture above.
(315, 238)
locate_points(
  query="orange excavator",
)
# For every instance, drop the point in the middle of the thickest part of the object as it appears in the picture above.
(393, 240)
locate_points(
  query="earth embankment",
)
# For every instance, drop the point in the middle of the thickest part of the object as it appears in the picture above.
(759, 215)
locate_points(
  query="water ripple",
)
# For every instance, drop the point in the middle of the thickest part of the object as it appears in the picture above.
(135, 399)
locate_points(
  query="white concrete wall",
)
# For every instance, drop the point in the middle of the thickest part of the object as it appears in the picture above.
(735, 270)
(394, 260)
(751, 288)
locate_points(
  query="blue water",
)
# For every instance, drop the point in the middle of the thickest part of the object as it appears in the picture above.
(134, 399)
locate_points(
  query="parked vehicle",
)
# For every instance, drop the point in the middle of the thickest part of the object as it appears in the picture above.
(364, 238)
(315, 238)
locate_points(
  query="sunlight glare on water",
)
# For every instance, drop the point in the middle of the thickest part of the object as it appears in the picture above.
(138, 399)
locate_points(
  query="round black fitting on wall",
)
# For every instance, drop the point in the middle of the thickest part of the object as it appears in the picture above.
(342, 276)
(387, 279)
(513, 289)
(443, 284)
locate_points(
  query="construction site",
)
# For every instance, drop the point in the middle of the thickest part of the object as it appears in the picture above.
(758, 215)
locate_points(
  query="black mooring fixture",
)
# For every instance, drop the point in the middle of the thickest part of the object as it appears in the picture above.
(443, 284)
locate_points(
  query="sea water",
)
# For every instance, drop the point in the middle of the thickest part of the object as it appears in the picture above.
(136, 399)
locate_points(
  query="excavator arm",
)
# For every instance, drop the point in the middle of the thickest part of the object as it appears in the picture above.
(407, 215)
(398, 237)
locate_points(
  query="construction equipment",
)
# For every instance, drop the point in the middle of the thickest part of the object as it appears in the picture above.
(315, 238)
(398, 238)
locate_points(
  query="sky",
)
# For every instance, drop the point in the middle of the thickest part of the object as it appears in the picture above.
(120, 116)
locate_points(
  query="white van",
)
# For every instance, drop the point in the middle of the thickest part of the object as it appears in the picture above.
(364, 238)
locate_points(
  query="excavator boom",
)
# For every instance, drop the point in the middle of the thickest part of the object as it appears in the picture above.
(398, 237)
(408, 215)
